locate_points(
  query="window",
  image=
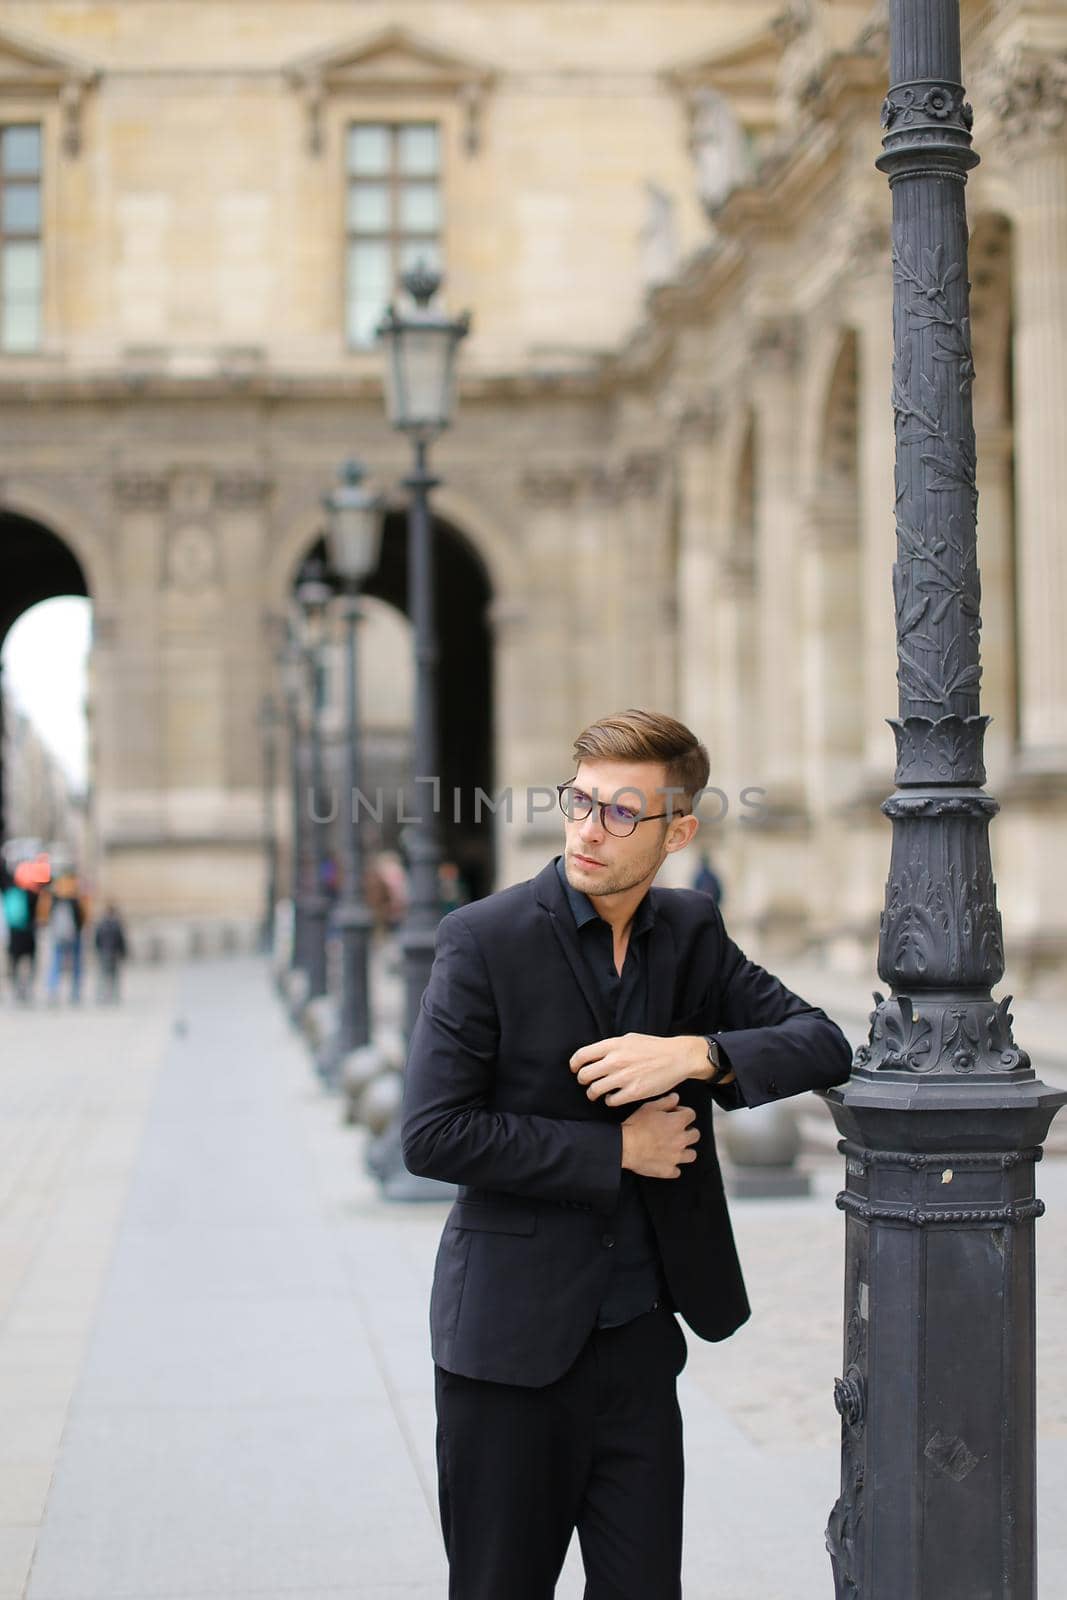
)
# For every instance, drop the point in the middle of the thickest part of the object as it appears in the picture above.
(394, 214)
(20, 237)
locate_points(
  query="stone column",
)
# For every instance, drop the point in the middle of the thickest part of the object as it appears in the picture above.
(536, 673)
(1031, 105)
(996, 514)
(872, 313)
(781, 690)
(696, 591)
(829, 600)
(648, 603)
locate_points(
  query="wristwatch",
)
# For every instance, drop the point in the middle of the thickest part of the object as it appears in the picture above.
(715, 1059)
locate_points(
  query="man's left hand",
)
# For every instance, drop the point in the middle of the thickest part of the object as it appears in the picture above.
(640, 1066)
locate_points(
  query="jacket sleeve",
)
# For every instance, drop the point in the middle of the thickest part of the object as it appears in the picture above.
(776, 1044)
(450, 1130)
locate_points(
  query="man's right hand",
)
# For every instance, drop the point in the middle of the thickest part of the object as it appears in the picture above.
(658, 1140)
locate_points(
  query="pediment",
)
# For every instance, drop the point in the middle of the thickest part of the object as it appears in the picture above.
(390, 61)
(25, 64)
(391, 57)
(27, 67)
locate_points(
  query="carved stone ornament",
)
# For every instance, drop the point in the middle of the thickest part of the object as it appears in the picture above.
(241, 490)
(191, 559)
(141, 491)
(1027, 93)
(549, 485)
(775, 345)
(642, 473)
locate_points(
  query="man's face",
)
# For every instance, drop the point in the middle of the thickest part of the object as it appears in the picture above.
(599, 862)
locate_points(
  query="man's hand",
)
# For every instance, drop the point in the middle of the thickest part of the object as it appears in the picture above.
(658, 1138)
(639, 1066)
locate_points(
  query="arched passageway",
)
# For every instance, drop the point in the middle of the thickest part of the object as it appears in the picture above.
(465, 709)
(35, 565)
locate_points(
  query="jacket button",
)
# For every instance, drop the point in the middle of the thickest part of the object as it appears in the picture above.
(772, 1087)
(608, 1240)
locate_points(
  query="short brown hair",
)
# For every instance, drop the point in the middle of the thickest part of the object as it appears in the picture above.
(648, 736)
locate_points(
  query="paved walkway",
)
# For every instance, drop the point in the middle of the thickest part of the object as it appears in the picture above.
(214, 1376)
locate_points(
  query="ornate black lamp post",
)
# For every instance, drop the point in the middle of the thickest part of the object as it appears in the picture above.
(268, 722)
(421, 346)
(313, 595)
(942, 1118)
(354, 534)
(291, 671)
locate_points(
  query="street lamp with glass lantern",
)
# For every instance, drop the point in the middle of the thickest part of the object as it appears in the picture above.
(421, 345)
(353, 539)
(313, 595)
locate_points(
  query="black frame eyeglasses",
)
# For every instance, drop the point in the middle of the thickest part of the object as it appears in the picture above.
(576, 806)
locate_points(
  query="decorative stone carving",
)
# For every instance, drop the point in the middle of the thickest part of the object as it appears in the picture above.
(240, 490)
(1027, 93)
(141, 491)
(191, 492)
(549, 485)
(720, 149)
(775, 345)
(642, 473)
(191, 559)
(658, 239)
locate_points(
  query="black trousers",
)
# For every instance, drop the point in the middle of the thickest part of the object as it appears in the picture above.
(599, 1450)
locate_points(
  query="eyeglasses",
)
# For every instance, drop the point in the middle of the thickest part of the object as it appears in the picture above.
(620, 820)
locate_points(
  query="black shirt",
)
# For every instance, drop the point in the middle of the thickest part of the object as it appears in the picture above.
(636, 1282)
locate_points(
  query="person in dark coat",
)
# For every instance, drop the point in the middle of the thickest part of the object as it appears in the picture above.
(110, 942)
(573, 1036)
(20, 915)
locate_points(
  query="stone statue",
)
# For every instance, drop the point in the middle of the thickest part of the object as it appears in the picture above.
(658, 237)
(720, 149)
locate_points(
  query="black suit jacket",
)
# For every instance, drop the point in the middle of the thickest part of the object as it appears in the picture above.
(490, 1103)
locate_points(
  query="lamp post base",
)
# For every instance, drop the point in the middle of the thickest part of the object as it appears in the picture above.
(385, 1160)
(316, 910)
(937, 1395)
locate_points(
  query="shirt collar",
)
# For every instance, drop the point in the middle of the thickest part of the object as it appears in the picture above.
(584, 911)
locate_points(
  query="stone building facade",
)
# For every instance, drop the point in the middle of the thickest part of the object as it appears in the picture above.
(670, 481)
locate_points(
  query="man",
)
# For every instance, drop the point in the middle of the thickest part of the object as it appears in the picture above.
(572, 1036)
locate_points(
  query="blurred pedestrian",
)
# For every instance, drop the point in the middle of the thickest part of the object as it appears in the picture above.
(707, 880)
(65, 921)
(451, 892)
(20, 910)
(110, 941)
